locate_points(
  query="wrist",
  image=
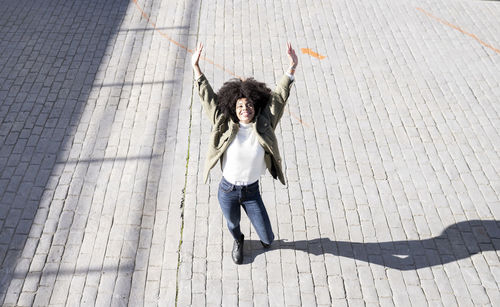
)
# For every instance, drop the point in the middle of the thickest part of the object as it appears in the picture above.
(197, 71)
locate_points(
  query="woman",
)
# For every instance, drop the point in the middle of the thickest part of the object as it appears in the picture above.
(244, 115)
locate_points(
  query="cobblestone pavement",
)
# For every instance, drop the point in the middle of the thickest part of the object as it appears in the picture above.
(390, 144)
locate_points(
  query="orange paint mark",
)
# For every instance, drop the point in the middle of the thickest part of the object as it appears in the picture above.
(153, 24)
(459, 30)
(312, 53)
(299, 120)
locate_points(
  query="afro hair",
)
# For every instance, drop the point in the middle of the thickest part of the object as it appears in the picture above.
(234, 89)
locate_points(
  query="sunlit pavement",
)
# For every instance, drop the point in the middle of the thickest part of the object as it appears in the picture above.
(390, 143)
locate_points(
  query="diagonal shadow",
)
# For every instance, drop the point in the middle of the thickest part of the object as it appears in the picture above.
(126, 84)
(457, 241)
(127, 268)
(114, 159)
(53, 58)
(51, 52)
(156, 29)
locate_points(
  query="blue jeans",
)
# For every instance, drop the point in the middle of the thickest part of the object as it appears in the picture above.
(231, 197)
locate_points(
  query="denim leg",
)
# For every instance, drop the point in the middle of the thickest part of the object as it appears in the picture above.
(229, 200)
(257, 213)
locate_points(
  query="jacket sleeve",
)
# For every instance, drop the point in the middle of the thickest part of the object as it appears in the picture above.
(279, 98)
(208, 98)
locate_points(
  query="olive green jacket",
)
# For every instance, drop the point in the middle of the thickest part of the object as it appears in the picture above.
(224, 129)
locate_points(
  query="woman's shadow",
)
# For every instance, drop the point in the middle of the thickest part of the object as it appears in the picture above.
(457, 241)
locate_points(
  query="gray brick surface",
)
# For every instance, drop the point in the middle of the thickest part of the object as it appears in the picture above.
(389, 145)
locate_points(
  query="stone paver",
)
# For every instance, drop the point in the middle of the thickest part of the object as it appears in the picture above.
(390, 146)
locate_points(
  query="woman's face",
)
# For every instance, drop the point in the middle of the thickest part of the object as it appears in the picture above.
(245, 110)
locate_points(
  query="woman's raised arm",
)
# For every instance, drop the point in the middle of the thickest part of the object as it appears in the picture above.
(282, 90)
(207, 96)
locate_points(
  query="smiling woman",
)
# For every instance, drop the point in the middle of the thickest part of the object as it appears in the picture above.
(244, 114)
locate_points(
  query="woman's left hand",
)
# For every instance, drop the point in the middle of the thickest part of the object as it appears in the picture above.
(293, 58)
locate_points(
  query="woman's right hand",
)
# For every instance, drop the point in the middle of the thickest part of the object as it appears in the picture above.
(196, 55)
(195, 59)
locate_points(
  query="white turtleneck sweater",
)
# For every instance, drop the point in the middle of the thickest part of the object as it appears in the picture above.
(243, 162)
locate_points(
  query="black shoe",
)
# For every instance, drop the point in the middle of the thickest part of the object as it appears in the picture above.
(265, 245)
(238, 250)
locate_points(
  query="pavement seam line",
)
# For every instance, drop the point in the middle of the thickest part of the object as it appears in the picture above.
(183, 199)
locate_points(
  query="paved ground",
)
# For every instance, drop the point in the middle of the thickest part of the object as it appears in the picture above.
(390, 143)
